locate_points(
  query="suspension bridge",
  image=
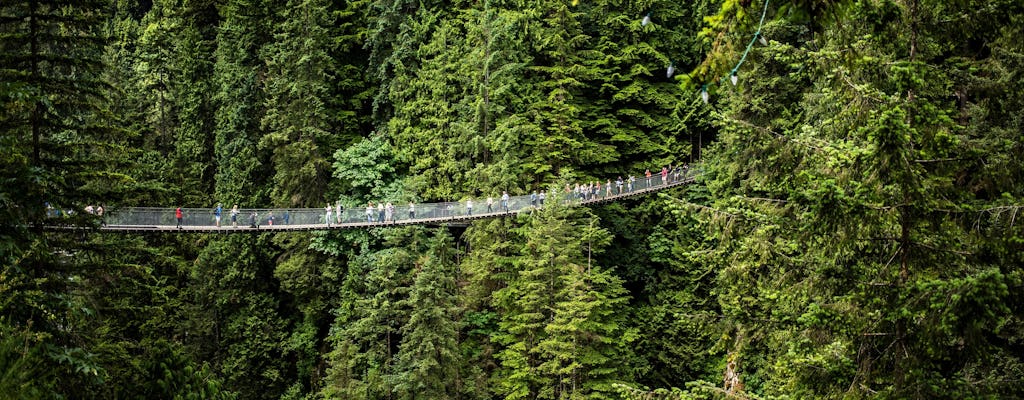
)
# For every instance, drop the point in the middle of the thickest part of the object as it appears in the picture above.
(255, 220)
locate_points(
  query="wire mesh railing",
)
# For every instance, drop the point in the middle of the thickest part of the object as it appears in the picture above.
(376, 214)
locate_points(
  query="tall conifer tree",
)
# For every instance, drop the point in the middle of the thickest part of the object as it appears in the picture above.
(61, 152)
(853, 216)
(428, 358)
(239, 99)
(560, 333)
(298, 119)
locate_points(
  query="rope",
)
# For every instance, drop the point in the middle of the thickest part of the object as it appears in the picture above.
(757, 35)
(743, 58)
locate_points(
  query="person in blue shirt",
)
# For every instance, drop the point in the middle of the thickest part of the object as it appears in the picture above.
(217, 213)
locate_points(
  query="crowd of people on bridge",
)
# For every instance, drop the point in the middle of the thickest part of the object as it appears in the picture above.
(383, 212)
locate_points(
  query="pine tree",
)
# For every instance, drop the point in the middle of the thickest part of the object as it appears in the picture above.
(560, 332)
(428, 356)
(495, 106)
(62, 149)
(55, 111)
(634, 108)
(424, 101)
(237, 72)
(845, 196)
(366, 332)
(564, 63)
(392, 45)
(193, 152)
(237, 318)
(298, 119)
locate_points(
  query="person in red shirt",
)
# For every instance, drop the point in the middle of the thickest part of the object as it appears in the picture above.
(648, 175)
(177, 214)
(664, 176)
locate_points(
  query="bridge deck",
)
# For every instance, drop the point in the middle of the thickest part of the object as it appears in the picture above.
(161, 220)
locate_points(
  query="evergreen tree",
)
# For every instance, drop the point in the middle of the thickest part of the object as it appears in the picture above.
(237, 320)
(844, 205)
(498, 93)
(237, 71)
(564, 62)
(428, 359)
(392, 48)
(424, 101)
(635, 109)
(560, 332)
(55, 112)
(485, 268)
(193, 152)
(366, 332)
(298, 119)
(62, 150)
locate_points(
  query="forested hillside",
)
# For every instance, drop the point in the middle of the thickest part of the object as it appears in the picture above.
(855, 233)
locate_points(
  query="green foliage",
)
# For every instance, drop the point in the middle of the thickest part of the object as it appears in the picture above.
(22, 371)
(855, 232)
(298, 118)
(170, 375)
(366, 171)
(366, 332)
(241, 34)
(561, 334)
(427, 362)
(843, 211)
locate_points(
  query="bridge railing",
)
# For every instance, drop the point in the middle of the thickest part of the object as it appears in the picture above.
(402, 213)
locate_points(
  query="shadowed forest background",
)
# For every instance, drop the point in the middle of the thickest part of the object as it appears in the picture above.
(856, 231)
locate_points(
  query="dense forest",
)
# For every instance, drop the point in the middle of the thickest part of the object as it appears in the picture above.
(855, 232)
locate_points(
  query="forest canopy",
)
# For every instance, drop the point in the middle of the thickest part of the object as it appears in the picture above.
(854, 231)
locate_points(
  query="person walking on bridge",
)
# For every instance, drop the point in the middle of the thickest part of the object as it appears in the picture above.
(234, 216)
(412, 210)
(178, 215)
(217, 213)
(504, 200)
(469, 206)
(490, 204)
(380, 213)
(664, 176)
(369, 212)
(618, 184)
(648, 175)
(327, 215)
(389, 212)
